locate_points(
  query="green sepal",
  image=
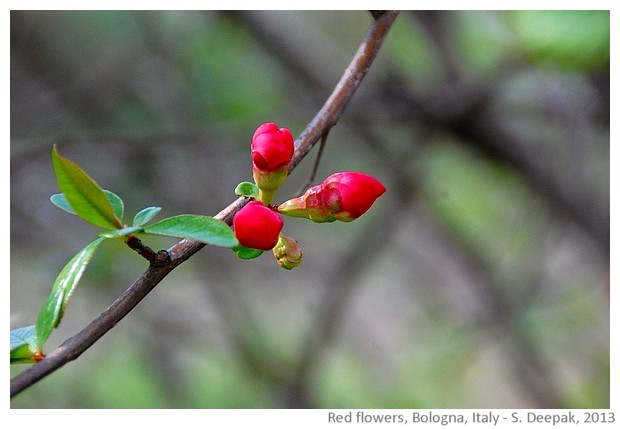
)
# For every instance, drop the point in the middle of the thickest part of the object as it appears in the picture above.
(268, 182)
(201, 228)
(247, 189)
(246, 253)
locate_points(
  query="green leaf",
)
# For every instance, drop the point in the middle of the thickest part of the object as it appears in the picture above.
(21, 345)
(117, 204)
(122, 232)
(85, 197)
(53, 308)
(201, 228)
(60, 201)
(246, 253)
(145, 215)
(247, 189)
(22, 336)
(23, 354)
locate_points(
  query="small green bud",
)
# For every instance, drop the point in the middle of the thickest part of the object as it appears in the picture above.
(287, 252)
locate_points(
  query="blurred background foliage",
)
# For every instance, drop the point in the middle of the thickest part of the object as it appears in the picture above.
(480, 279)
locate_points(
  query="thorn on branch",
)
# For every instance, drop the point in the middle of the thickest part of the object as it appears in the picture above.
(156, 259)
(377, 13)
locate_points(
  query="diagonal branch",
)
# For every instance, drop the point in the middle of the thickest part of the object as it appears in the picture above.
(324, 120)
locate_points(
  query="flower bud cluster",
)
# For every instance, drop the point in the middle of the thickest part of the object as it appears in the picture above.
(343, 196)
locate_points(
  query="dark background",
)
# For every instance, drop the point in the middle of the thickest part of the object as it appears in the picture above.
(479, 280)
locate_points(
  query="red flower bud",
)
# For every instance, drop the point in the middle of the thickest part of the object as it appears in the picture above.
(272, 148)
(257, 226)
(342, 196)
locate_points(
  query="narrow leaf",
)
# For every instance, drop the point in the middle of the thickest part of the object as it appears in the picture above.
(246, 253)
(85, 197)
(201, 228)
(247, 189)
(53, 308)
(145, 215)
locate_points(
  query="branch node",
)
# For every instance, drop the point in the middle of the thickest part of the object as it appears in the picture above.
(156, 259)
(162, 258)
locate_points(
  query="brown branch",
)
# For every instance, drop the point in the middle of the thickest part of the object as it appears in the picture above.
(325, 119)
(156, 259)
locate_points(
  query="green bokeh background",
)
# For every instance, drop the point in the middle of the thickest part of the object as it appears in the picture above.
(479, 280)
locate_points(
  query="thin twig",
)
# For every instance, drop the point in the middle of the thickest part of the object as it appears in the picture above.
(325, 119)
(315, 168)
(331, 111)
(318, 157)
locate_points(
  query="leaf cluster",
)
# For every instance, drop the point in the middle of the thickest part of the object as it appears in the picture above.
(82, 196)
